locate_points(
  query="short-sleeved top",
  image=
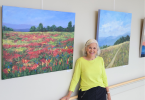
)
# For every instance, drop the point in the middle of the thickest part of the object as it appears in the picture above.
(91, 72)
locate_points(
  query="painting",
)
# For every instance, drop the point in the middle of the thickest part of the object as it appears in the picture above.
(113, 36)
(142, 45)
(36, 41)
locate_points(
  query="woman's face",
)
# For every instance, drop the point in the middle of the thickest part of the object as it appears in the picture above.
(91, 50)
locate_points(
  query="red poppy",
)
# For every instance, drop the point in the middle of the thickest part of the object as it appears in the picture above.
(43, 68)
(16, 56)
(52, 46)
(20, 69)
(5, 71)
(55, 53)
(43, 60)
(34, 67)
(56, 62)
(25, 60)
(44, 42)
(23, 68)
(47, 40)
(50, 68)
(55, 35)
(67, 61)
(15, 68)
(70, 51)
(29, 68)
(34, 56)
(6, 46)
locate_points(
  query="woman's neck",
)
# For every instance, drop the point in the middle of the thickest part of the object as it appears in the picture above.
(90, 57)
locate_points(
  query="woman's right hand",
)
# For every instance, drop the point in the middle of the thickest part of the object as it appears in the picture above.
(65, 97)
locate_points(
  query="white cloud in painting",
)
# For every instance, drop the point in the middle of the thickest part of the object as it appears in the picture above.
(112, 23)
(114, 28)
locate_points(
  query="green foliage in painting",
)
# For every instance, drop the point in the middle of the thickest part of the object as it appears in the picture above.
(104, 46)
(122, 39)
(33, 29)
(53, 28)
(4, 28)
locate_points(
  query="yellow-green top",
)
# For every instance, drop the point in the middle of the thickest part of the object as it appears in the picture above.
(91, 72)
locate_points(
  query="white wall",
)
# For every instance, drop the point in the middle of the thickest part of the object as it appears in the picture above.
(133, 94)
(52, 86)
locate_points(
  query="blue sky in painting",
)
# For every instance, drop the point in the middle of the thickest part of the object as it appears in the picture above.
(28, 16)
(114, 23)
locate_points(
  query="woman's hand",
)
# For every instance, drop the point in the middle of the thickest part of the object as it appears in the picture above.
(108, 93)
(108, 96)
(65, 97)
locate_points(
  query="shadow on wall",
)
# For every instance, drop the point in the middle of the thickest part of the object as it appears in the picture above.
(1, 38)
(141, 32)
(96, 21)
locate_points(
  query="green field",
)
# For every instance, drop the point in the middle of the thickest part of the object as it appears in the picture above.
(121, 57)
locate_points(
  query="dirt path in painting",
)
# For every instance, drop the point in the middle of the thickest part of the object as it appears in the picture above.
(111, 63)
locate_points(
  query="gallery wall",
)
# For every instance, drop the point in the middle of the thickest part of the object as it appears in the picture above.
(54, 85)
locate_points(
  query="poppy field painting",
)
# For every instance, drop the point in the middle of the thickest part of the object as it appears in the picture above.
(36, 41)
(113, 36)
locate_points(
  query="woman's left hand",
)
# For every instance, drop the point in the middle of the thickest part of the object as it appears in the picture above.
(108, 96)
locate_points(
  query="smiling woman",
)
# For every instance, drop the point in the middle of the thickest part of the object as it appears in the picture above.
(91, 71)
(91, 51)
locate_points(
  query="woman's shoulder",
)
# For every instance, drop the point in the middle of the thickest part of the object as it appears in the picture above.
(80, 59)
(99, 57)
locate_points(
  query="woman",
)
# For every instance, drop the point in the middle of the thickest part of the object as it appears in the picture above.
(90, 68)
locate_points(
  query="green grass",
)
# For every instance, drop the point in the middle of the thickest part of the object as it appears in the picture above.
(121, 58)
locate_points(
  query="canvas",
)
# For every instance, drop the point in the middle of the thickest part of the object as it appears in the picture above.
(36, 41)
(113, 36)
(142, 45)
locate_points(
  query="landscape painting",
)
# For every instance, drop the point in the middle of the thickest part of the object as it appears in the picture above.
(113, 36)
(36, 41)
(142, 46)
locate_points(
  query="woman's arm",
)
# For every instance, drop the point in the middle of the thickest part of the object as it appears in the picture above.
(108, 93)
(104, 77)
(107, 89)
(74, 81)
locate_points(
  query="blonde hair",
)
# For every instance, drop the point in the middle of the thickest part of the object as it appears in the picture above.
(88, 43)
